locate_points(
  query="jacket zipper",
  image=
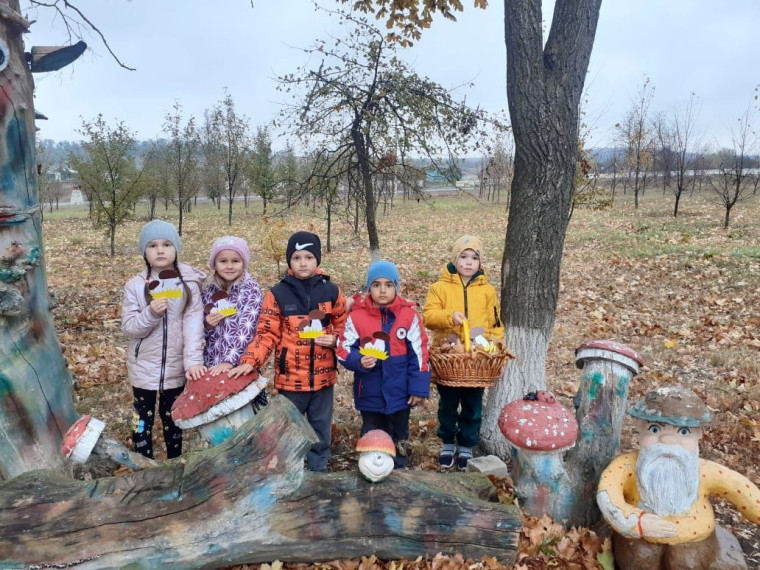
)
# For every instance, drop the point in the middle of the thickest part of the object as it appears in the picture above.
(137, 348)
(163, 358)
(313, 344)
(465, 300)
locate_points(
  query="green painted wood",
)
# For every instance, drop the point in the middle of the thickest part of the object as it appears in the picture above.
(36, 396)
(249, 500)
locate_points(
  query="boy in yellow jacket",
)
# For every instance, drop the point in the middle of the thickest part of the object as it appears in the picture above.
(462, 292)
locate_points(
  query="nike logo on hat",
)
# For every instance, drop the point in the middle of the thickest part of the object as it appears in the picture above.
(299, 247)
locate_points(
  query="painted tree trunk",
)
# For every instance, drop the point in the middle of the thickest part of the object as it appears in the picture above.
(603, 397)
(36, 397)
(544, 87)
(249, 501)
(541, 482)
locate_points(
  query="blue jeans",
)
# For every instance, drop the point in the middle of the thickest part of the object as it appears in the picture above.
(318, 407)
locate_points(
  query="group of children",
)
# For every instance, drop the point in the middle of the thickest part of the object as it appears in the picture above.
(309, 325)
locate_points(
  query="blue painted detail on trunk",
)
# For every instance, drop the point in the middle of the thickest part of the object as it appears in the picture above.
(597, 382)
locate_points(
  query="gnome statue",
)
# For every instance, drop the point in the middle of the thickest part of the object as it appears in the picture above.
(657, 499)
(377, 451)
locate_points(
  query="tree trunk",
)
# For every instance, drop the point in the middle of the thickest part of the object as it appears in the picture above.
(675, 207)
(369, 194)
(544, 88)
(248, 501)
(229, 213)
(36, 397)
(112, 232)
(727, 218)
(329, 226)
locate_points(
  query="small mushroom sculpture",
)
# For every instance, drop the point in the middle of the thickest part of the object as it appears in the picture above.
(218, 405)
(377, 451)
(83, 438)
(540, 431)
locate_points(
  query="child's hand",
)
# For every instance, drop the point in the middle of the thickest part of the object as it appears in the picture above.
(195, 372)
(415, 401)
(213, 319)
(368, 361)
(328, 340)
(240, 370)
(458, 318)
(219, 368)
(158, 306)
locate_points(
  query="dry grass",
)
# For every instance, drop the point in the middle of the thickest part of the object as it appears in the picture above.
(683, 292)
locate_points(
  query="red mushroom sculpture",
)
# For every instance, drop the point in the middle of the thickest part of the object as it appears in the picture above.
(540, 431)
(83, 439)
(217, 405)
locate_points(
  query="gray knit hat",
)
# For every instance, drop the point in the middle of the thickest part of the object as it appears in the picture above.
(159, 229)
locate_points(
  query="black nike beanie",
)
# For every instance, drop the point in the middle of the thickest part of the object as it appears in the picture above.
(300, 241)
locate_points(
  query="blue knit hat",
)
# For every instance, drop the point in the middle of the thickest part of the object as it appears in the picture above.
(159, 229)
(384, 269)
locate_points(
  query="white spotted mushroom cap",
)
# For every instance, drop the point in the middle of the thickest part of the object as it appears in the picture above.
(209, 398)
(540, 424)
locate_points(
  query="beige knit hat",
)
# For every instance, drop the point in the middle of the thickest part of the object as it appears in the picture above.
(467, 242)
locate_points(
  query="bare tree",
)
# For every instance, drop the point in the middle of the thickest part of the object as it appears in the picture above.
(664, 155)
(109, 172)
(736, 180)
(181, 155)
(636, 137)
(261, 171)
(228, 141)
(684, 141)
(362, 102)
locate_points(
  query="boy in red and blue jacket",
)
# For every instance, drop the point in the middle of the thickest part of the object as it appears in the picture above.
(385, 345)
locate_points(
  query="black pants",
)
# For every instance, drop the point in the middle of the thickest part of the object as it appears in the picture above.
(396, 425)
(144, 403)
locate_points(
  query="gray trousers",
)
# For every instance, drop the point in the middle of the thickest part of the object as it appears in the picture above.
(318, 408)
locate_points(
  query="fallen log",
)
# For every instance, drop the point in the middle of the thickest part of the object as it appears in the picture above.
(248, 500)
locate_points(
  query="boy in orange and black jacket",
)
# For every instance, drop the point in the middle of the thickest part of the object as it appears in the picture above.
(301, 318)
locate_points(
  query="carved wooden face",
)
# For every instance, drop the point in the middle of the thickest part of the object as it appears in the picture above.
(375, 465)
(652, 433)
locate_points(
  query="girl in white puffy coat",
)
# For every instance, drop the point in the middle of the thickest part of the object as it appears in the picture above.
(162, 316)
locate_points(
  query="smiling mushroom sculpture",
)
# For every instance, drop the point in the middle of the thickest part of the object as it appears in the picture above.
(540, 431)
(377, 451)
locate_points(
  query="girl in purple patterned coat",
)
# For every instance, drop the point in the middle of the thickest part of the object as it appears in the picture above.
(232, 301)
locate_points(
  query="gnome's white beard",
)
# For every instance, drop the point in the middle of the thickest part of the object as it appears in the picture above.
(668, 479)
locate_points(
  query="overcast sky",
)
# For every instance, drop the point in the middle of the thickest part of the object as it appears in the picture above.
(189, 50)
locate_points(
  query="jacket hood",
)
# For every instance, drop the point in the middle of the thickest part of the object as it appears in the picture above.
(366, 303)
(290, 276)
(450, 275)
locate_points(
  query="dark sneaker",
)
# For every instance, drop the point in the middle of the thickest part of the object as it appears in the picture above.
(446, 459)
(465, 454)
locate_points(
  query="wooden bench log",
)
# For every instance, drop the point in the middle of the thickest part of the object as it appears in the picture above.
(248, 500)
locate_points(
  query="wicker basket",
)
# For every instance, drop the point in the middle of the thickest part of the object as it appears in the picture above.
(466, 370)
